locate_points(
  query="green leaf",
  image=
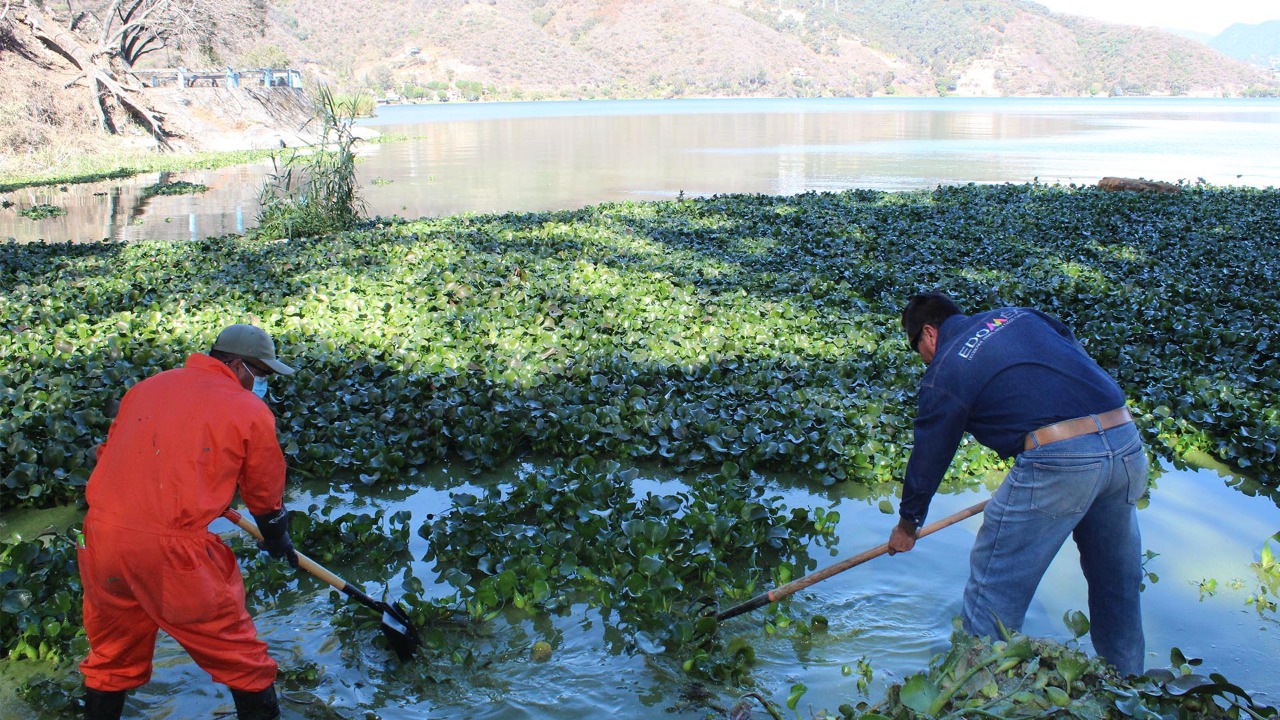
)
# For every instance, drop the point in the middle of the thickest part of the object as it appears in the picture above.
(1184, 684)
(919, 693)
(1071, 668)
(1020, 647)
(15, 601)
(1076, 622)
(797, 691)
(1133, 707)
(649, 564)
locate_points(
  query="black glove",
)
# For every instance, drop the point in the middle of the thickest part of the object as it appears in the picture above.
(275, 535)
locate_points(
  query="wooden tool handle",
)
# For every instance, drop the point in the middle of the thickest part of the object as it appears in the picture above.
(304, 562)
(796, 585)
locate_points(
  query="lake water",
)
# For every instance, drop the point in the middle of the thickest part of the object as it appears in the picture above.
(894, 611)
(499, 157)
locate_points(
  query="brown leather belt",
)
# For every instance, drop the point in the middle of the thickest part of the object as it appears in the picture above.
(1076, 427)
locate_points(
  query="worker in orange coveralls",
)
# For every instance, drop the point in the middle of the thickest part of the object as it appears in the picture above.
(180, 445)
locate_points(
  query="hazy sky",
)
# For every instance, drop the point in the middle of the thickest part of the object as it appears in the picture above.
(1207, 16)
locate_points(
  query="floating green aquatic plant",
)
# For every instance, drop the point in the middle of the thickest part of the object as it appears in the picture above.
(42, 211)
(177, 187)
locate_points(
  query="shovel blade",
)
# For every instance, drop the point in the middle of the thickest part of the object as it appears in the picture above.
(399, 633)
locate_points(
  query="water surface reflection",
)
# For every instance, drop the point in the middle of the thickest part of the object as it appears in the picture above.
(896, 612)
(500, 157)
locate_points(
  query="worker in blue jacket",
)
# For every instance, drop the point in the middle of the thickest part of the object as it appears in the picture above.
(1020, 383)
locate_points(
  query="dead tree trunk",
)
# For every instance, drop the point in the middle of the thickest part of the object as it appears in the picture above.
(101, 77)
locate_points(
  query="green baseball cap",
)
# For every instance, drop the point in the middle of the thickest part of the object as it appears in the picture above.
(253, 342)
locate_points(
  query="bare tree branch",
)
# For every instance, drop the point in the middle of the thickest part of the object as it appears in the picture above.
(101, 79)
(102, 39)
(130, 29)
(135, 17)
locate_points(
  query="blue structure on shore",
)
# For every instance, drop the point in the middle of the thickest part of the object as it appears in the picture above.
(228, 77)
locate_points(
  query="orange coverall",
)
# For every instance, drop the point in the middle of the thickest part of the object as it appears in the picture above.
(181, 443)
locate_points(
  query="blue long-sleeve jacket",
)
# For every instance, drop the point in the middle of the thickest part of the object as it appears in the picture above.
(998, 375)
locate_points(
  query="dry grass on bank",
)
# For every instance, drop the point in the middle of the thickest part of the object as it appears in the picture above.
(48, 128)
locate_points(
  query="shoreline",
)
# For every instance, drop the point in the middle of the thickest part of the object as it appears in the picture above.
(117, 156)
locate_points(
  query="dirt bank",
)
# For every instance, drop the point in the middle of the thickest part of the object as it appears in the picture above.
(221, 118)
(52, 127)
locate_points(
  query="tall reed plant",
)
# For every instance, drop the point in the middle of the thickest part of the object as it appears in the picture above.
(314, 190)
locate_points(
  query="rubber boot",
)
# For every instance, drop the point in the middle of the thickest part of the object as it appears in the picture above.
(100, 705)
(260, 705)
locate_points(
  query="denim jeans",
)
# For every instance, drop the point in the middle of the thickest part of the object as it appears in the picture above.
(1086, 487)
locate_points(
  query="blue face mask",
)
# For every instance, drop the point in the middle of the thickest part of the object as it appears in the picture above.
(259, 383)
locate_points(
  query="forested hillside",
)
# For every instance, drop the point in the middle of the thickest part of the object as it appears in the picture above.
(672, 48)
(1256, 44)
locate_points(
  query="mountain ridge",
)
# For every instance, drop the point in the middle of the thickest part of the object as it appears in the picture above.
(1257, 44)
(571, 49)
